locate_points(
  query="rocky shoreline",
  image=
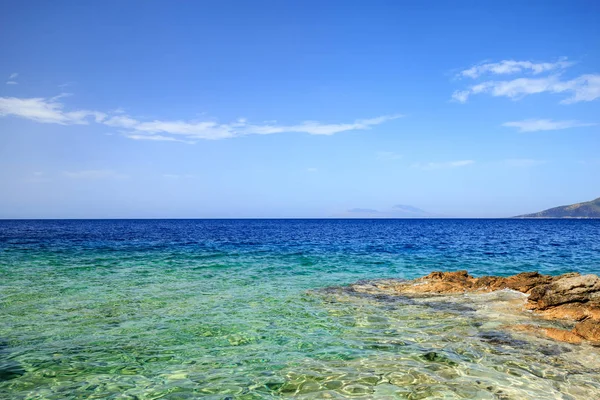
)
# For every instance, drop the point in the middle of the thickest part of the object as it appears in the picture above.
(572, 298)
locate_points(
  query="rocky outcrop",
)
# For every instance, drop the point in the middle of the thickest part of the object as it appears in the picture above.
(588, 329)
(573, 289)
(571, 297)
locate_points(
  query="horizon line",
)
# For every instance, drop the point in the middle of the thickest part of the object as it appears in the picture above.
(278, 218)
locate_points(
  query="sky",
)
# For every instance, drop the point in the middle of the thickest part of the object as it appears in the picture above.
(297, 109)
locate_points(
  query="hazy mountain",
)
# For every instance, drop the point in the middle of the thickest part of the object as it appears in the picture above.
(589, 209)
(397, 211)
(410, 211)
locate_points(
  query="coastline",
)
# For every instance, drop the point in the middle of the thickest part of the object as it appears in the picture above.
(571, 298)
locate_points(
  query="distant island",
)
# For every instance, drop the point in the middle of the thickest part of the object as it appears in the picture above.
(589, 209)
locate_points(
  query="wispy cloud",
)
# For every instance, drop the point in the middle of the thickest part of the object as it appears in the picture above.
(12, 79)
(316, 128)
(443, 165)
(388, 155)
(121, 121)
(523, 162)
(50, 110)
(506, 67)
(93, 174)
(183, 129)
(312, 169)
(66, 84)
(534, 125)
(157, 138)
(582, 88)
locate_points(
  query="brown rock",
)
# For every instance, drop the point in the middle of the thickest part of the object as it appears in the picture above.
(589, 330)
(445, 282)
(569, 289)
(526, 281)
(461, 281)
(523, 282)
(561, 335)
(552, 333)
(572, 311)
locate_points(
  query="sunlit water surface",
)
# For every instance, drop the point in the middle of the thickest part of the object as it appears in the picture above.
(252, 309)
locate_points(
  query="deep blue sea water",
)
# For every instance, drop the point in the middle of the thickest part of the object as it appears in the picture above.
(232, 309)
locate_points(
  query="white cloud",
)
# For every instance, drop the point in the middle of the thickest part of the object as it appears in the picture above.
(312, 169)
(59, 96)
(534, 125)
(388, 155)
(12, 79)
(582, 88)
(506, 67)
(193, 130)
(121, 121)
(523, 162)
(50, 110)
(443, 165)
(213, 130)
(93, 174)
(317, 128)
(461, 163)
(461, 95)
(189, 130)
(64, 85)
(157, 138)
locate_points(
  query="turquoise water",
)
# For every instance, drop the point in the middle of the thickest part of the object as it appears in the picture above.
(254, 309)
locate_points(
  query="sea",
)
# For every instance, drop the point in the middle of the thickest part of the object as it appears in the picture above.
(259, 309)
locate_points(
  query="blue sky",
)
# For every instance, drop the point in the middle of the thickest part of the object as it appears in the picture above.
(297, 109)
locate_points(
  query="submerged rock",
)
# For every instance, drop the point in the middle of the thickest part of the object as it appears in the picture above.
(433, 356)
(9, 369)
(562, 335)
(571, 297)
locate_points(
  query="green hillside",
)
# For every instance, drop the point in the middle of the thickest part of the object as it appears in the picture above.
(589, 209)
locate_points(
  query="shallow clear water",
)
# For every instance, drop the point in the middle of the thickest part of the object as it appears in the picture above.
(243, 309)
